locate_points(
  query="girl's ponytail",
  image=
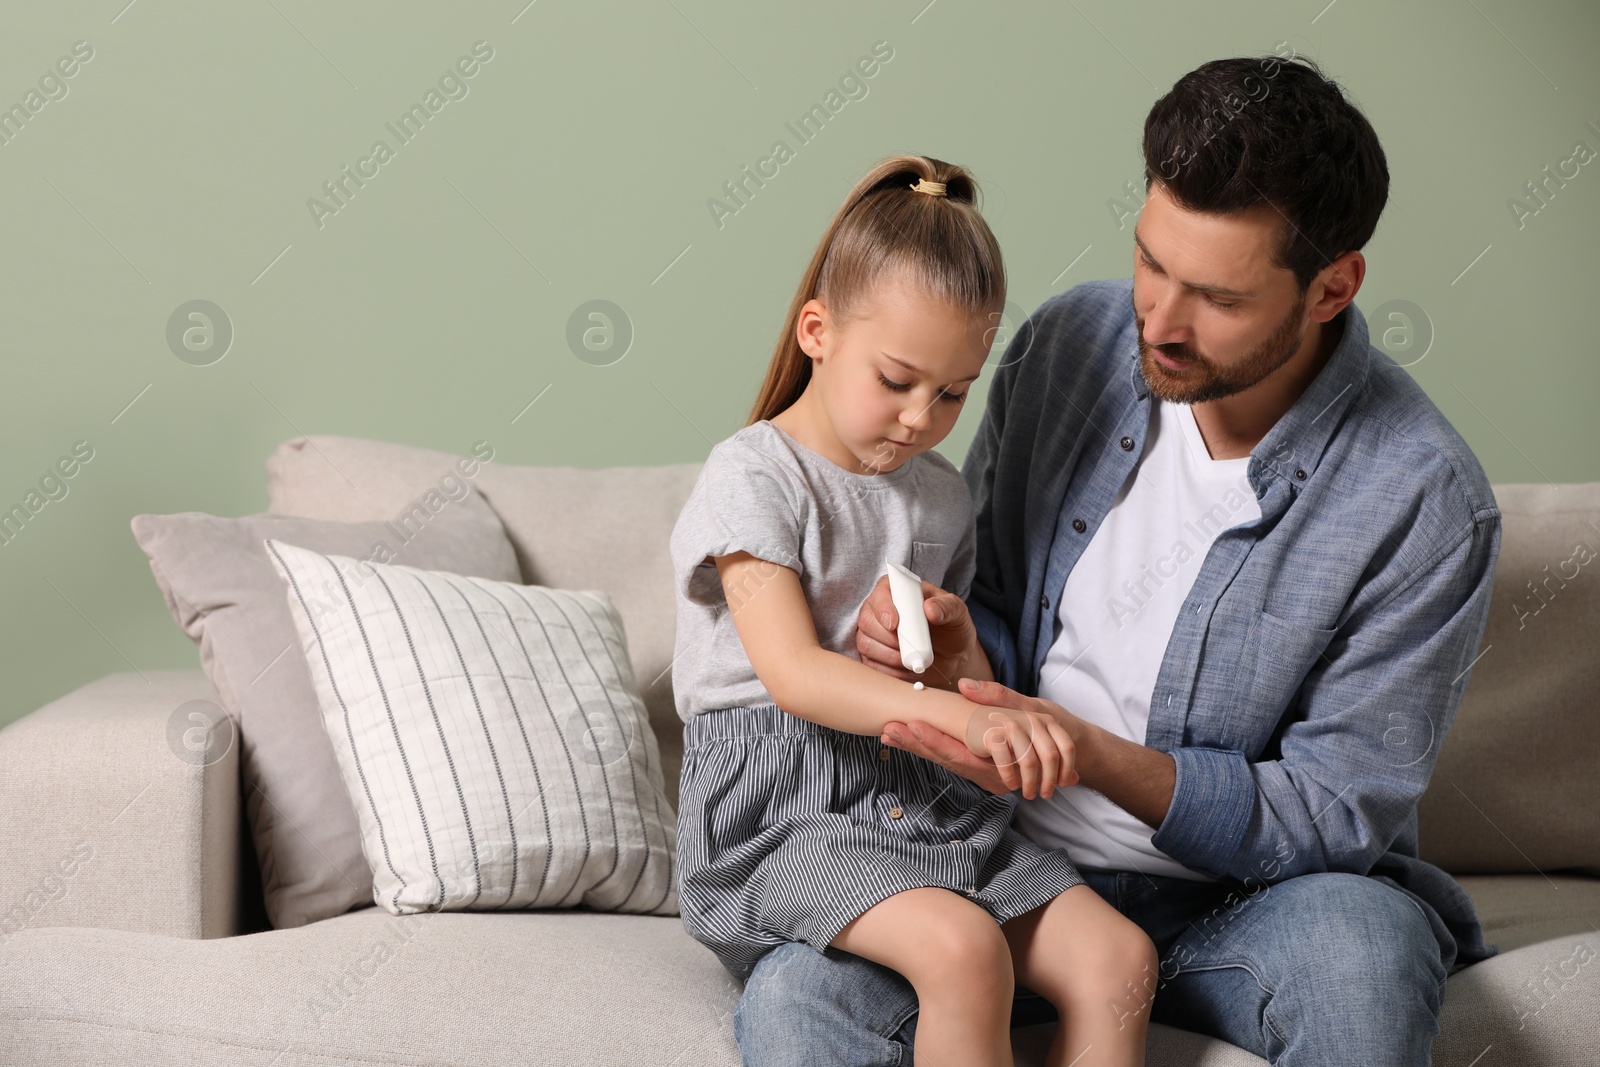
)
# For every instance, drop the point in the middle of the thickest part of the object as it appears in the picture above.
(941, 243)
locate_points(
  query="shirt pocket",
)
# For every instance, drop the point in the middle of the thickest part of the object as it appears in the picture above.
(1279, 656)
(930, 560)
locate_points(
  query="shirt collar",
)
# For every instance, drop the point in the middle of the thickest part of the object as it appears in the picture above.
(1298, 440)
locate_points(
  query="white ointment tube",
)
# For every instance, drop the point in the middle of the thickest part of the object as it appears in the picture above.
(916, 646)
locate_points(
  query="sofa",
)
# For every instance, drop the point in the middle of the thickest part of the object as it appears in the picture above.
(132, 931)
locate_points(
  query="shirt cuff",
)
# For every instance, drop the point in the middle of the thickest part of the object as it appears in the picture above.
(995, 637)
(1213, 799)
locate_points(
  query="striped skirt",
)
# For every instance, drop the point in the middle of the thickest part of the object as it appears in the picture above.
(788, 830)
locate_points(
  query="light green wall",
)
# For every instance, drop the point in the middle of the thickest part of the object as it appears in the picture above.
(434, 306)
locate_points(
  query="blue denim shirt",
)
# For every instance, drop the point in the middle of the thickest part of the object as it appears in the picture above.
(1317, 663)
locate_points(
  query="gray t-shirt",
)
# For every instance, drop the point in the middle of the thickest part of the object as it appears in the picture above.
(763, 492)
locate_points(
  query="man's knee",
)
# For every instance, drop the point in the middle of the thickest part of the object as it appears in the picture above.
(1366, 952)
(1359, 929)
(1307, 964)
(800, 1004)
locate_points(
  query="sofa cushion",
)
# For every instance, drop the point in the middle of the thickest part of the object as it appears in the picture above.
(224, 593)
(1514, 788)
(572, 528)
(586, 989)
(435, 988)
(1538, 1002)
(489, 735)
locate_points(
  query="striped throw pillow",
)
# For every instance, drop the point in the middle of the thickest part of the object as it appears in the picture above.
(490, 735)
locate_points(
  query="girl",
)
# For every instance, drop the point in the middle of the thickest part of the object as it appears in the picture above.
(794, 822)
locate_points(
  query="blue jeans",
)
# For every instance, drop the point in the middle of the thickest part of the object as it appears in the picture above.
(1318, 969)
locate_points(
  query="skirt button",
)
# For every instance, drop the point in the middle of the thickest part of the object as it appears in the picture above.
(883, 754)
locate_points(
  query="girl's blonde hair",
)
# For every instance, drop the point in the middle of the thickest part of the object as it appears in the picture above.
(939, 243)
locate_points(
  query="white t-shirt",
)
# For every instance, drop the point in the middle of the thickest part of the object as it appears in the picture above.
(1116, 616)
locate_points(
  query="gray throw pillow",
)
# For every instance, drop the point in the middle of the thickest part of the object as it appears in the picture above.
(225, 593)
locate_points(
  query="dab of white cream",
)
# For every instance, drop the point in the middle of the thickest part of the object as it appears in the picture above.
(916, 685)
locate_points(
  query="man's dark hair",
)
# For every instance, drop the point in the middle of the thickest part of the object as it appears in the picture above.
(1234, 133)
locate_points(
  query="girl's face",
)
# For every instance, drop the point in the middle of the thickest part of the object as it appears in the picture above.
(891, 381)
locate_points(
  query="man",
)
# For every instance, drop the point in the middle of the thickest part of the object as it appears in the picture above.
(1247, 563)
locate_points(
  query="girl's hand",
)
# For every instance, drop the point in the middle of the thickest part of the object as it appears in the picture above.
(1030, 748)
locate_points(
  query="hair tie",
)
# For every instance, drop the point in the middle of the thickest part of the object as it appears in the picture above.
(923, 185)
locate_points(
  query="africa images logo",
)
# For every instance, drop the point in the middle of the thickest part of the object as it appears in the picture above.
(452, 84)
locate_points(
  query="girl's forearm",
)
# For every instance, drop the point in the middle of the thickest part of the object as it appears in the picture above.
(845, 694)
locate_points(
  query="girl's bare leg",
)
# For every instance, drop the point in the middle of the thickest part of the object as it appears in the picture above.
(1099, 970)
(955, 956)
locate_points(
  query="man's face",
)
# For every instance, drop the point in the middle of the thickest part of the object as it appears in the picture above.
(1214, 315)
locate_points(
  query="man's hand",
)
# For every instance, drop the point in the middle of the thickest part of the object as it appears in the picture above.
(936, 746)
(955, 638)
(1028, 747)
(1137, 779)
(922, 739)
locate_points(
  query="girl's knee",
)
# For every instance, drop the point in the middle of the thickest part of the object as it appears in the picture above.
(1123, 952)
(1139, 952)
(1140, 963)
(960, 957)
(1115, 960)
(967, 955)
(934, 938)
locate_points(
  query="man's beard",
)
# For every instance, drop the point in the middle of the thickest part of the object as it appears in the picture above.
(1201, 380)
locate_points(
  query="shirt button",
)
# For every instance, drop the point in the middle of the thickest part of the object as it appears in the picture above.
(883, 754)
(1300, 473)
(1127, 444)
(895, 813)
(1079, 525)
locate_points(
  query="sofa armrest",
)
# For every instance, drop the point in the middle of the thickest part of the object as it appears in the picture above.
(105, 822)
